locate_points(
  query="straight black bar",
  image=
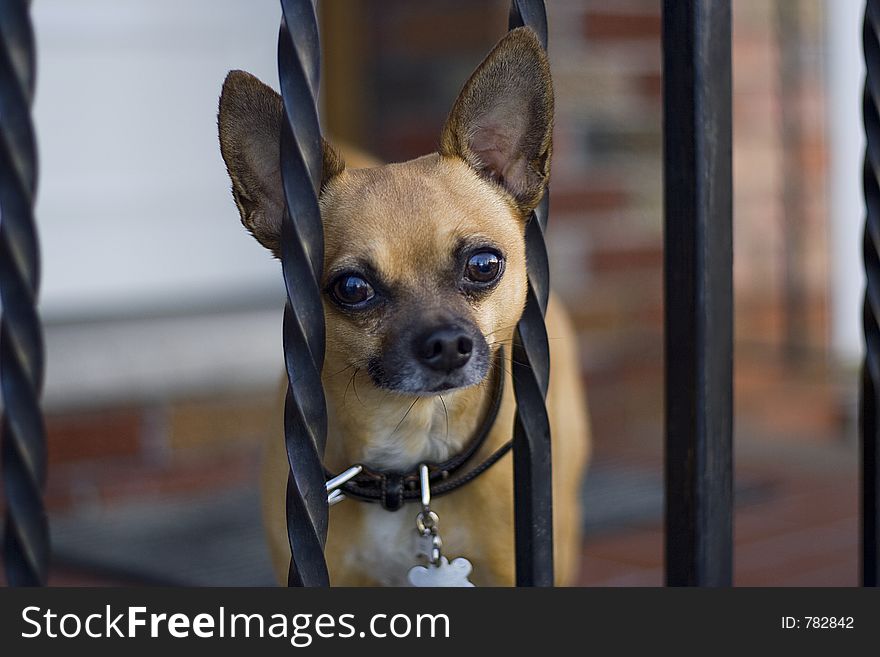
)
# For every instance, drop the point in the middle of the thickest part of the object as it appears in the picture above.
(533, 493)
(870, 389)
(698, 262)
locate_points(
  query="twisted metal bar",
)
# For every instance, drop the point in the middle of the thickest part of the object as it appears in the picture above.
(533, 516)
(302, 256)
(26, 549)
(870, 389)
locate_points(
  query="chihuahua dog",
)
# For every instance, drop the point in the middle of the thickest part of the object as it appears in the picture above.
(424, 282)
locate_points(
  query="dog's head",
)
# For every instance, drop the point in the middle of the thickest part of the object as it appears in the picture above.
(425, 266)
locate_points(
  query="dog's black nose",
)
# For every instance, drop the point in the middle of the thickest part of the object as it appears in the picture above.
(444, 349)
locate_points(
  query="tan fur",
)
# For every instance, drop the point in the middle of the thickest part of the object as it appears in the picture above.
(405, 220)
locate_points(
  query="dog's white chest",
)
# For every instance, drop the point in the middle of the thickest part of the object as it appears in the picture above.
(389, 548)
(388, 545)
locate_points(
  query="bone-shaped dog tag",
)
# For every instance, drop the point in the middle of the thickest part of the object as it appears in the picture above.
(442, 574)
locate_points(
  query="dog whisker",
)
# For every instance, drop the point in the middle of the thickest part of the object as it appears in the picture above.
(347, 367)
(347, 385)
(520, 363)
(506, 370)
(411, 406)
(355, 387)
(446, 413)
(503, 328)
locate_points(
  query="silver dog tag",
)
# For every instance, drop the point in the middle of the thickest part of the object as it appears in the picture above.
(442, 574)
(438, 572)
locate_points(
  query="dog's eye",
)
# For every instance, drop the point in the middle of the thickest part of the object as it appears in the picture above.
(352, 290)
(483, 267)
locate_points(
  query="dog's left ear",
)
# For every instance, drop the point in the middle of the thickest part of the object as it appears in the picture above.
(502, 122)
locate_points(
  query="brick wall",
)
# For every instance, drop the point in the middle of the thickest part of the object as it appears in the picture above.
(168, 447)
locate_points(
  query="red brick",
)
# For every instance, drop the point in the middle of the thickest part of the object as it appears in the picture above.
(93, 435)
(606, 572)
(641, 548)
(125, 480)
(419, 29)
(645, 256)
(774, 561)
(587, 198)
(412, 139)
(615, 26)
(650, 85)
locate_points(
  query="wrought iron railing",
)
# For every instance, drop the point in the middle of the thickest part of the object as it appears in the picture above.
(698, 255)
(302, 261)
(26, 534)
(870, 394)
(533, 499)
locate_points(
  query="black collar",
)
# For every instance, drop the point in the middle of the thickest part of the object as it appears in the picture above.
(391, 489)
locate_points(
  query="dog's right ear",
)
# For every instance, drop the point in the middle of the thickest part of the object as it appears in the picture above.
(249, 123)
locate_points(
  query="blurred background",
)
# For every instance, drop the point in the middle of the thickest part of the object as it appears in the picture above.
(162, 316)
